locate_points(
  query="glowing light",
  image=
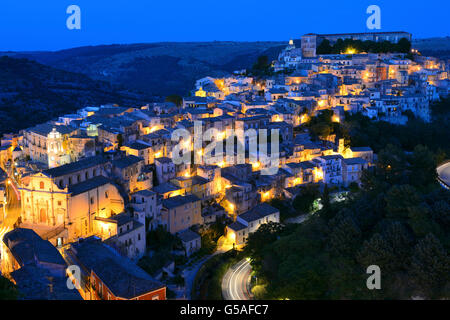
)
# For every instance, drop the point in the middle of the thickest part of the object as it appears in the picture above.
(221, 164)
(304, 118)
(318, 173)
(158, 154)
(265, 196)
(297, 181)
(256, 165)
(321, 103)
(186, 144)
(221, 135)
(350, 51)
(335, 119)
(277, 118)
(232, 236)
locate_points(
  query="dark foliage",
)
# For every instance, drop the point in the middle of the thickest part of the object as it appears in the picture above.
(341, 46)
(399, 220)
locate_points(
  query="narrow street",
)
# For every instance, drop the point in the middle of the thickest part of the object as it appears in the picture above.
(10, 213)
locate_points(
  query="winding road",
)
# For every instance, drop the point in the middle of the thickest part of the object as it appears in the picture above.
(12, 213)
(236, 282)
(443, 172)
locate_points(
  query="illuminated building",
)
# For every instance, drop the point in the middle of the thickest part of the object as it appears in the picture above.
(129, 171)
(311, 41)
(36, 146)
(180, 212)
(250, 221)
(106, 275)
(66, 199)
(190, 240)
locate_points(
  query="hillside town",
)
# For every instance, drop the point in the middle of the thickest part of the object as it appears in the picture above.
(88, 188)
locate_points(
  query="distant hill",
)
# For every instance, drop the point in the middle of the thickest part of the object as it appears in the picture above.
(156, 68)
(32, 93)
(436, 47)
(58, 82)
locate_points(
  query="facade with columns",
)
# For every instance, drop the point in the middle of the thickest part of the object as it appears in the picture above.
(69, 200)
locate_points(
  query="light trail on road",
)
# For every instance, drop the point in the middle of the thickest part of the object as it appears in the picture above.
(235, 282)
(12, 209)
(443, 172)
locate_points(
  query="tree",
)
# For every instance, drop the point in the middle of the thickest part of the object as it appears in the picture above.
(8, 290)
(262, 66)
(430, 268)
(399, 199)
(345, 236)
(324, 47)
(119, 140)
(303, 202)
(176, 99)
(423, 166)
(256, 241)
(404, 45)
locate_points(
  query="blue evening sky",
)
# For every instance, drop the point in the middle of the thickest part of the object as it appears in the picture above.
(41, 24)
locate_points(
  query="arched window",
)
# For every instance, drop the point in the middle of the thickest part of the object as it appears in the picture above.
(41, 184)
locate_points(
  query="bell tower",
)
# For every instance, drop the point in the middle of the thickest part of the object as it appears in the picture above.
(54, 148)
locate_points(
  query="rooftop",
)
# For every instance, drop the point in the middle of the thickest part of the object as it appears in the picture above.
(178, 201)
(87, 185)
(258, 212)
(75, 166)
(28, 248)
(119, 274)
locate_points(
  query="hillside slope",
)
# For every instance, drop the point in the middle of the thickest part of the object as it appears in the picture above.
(156, 68)
(32, 93)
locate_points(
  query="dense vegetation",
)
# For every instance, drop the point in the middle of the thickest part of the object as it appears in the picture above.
(208, 280)
(157, 69)
(342, 46)
(8, 290)
(361, 131)
(399, 220)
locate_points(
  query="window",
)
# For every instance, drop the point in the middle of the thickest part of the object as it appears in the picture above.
(106, 194)
(139, 236)
(92, 200)
(41, 185)
(59, 203)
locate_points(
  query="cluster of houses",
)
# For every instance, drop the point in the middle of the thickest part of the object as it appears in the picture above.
(93, 183)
